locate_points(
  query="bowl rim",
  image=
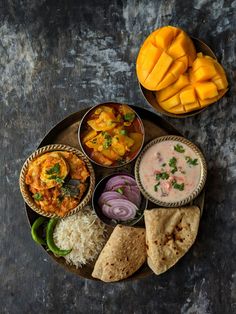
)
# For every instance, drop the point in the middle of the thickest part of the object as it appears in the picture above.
(27, 194)
(105, 179)
(203, 175)
(160, 110)
(81, 125)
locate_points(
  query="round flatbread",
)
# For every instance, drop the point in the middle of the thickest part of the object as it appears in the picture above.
(170, 232)
(123, 254)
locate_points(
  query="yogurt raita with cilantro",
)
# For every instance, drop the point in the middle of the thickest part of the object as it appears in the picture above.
(170, 171)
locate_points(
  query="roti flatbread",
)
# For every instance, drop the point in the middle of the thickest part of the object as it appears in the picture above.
(170, 232)
(123, 254)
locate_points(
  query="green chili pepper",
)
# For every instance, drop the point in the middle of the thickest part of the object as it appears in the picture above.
(50, 242)
(38, 222)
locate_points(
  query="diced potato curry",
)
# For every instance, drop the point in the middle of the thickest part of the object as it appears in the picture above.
(113, 134)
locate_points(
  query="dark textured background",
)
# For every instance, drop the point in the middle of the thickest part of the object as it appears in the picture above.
(57, 57)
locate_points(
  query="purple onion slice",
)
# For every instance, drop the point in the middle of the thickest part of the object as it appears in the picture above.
(119, 209)
(110, 195)
(119, 180)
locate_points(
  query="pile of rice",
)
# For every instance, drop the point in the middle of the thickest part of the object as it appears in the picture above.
(84, 233)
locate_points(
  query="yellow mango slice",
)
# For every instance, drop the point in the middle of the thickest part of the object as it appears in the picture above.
(180, 46)
(168, 80)
(221, 83)
(193, 106)
(177, 109)
(204, 73)
(178, 68)
(201, 62)
(147, 61)
(206, 90)
(207, 102)
(164, 37)
(187, 96)
(159, 71)
(156, 69)
(170, 103)
(173, 89)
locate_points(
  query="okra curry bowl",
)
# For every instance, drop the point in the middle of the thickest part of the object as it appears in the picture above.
(111, 134)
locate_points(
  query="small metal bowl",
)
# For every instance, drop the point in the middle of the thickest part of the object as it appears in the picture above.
(82, 127)
(150, 95)
(201, 182)
(99, 189)
(25, 189)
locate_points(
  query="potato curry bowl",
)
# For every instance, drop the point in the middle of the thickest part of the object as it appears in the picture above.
(111, 134)
(57, 181)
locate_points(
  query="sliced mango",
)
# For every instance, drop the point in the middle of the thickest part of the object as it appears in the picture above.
(163, 57)
(187, 96)
(206, 90)
(202, 85)
(173, 89)
(159, 71)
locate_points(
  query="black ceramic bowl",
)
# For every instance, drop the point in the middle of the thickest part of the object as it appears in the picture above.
(99, 189)
(83, 126)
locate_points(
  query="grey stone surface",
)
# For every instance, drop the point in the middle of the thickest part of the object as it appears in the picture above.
(57, 57)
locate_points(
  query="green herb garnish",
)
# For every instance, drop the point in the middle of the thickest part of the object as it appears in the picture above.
(119, 190)
(163, 165)
(57, 179)
(129, 116)
(54, 170)
(178, 186)
(179, 148)
(108, 140)
(38, 196)
(123, 132)
(191, 162)
(156, 186)
(172, 164)
(162, 175)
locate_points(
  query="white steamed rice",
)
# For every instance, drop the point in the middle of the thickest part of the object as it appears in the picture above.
(84, 233)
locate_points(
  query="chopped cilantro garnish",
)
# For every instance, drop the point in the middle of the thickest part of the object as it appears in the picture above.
(54, 170)
(191, 162)
(162, 175)
(108, 140)
(123, 132)
(163, 165)
(178, 186)
(172, 164)
(57, 179)
(156, 186)
(129, 116)
(179, 148)
(119, 190)
(38, 196)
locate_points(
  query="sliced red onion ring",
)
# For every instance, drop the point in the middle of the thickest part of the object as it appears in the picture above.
(110, 195)
(119, 180)
(119, 209)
